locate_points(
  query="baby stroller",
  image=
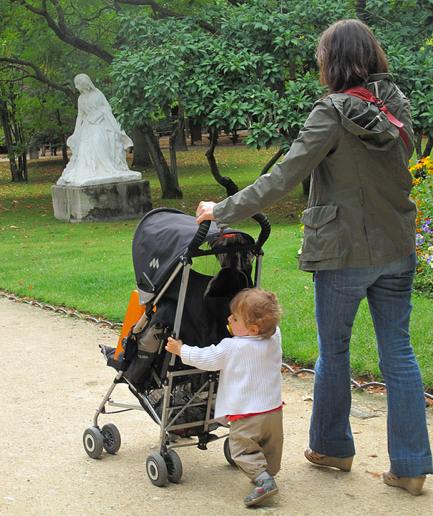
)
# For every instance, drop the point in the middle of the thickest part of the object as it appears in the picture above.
(174, 299)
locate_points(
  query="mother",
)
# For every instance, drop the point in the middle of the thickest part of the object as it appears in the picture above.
(359, 242)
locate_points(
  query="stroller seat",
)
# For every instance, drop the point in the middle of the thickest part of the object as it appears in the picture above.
(220, 291)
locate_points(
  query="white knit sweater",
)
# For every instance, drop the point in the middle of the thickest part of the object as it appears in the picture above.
(250, 378)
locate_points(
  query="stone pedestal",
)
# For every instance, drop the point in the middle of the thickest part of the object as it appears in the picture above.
(110, 201)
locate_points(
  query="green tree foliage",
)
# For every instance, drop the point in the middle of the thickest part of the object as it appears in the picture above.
(89, 28)
(41, 69)
(229, 64)
(231, 67)
(255, 70)
(256, 67)
(405, 30)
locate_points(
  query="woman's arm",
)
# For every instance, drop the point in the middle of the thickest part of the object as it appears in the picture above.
(317, 138)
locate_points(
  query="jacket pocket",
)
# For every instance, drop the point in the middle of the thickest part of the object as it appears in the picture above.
(321, 233)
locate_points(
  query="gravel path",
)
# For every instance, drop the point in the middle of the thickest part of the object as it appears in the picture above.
(54, 377)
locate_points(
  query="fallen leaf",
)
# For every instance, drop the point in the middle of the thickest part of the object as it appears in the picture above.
(374, 474)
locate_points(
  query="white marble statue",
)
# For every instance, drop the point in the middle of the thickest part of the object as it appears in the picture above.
(98, 144)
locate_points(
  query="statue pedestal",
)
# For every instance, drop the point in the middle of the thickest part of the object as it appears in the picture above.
(110, 201)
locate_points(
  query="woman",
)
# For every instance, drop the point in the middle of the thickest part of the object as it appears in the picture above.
(359, 242)
(98, 144)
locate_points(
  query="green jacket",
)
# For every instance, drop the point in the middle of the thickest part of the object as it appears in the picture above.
(359, 212)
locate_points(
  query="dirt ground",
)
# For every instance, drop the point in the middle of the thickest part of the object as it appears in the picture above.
(53, 379)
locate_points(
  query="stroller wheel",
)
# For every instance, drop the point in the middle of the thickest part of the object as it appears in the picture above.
(93, 442)
(174, 467)
(227, 453)
(157, 469)
(112, 439)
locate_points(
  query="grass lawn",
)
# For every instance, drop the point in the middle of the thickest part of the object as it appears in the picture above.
(89, 267)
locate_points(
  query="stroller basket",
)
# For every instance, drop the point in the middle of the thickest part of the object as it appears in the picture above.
(172, 299)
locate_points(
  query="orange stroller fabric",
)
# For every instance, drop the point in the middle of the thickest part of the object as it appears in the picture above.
(133, 313)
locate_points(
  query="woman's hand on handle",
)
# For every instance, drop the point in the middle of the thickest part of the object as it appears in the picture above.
(205, 211)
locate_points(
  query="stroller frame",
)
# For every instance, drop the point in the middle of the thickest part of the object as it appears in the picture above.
(166, 465)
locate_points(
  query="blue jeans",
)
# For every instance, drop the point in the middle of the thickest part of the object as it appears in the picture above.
(338, 294)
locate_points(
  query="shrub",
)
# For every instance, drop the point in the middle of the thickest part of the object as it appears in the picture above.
(422, 193)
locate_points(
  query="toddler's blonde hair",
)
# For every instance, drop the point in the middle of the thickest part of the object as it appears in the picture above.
(259, 307)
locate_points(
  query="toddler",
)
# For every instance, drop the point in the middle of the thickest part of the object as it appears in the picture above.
(249, 390)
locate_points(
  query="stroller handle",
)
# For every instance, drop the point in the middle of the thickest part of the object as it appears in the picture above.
(199, 237)
(265, 230)
(203, 229)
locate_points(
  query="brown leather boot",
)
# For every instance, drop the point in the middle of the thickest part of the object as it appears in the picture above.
(345, 464)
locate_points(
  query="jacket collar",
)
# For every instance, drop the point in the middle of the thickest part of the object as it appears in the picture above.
(374, 77)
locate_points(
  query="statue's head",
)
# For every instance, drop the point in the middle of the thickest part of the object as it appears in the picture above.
(83, 83)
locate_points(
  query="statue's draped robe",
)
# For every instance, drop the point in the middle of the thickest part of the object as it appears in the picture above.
(98, 145)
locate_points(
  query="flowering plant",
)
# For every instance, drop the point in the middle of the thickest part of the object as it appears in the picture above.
(422, 194)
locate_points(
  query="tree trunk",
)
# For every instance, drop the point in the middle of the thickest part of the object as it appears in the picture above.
(141, 156)
(181, 136)
(169, 184)
(25, 172)
(418, 143)
(226, 182)
(173, 160)
(65, 158)
(9, 143)
(292, 71)
(428, 147)
(234, 137)
(272, 162)
(23, 160)
(21, 165)
(194, 131)
(172, 147)
(178, 114)
(20, 147)
(361, 11)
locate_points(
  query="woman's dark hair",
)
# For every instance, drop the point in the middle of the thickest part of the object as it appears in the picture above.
(347, 54)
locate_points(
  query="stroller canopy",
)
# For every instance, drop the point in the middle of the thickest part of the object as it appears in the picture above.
(161, 237)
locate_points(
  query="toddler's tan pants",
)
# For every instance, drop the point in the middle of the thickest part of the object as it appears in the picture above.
(256, 443)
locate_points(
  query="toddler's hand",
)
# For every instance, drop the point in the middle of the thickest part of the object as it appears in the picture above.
(173, 346)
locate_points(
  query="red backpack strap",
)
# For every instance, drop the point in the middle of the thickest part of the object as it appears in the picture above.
(366, 95)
